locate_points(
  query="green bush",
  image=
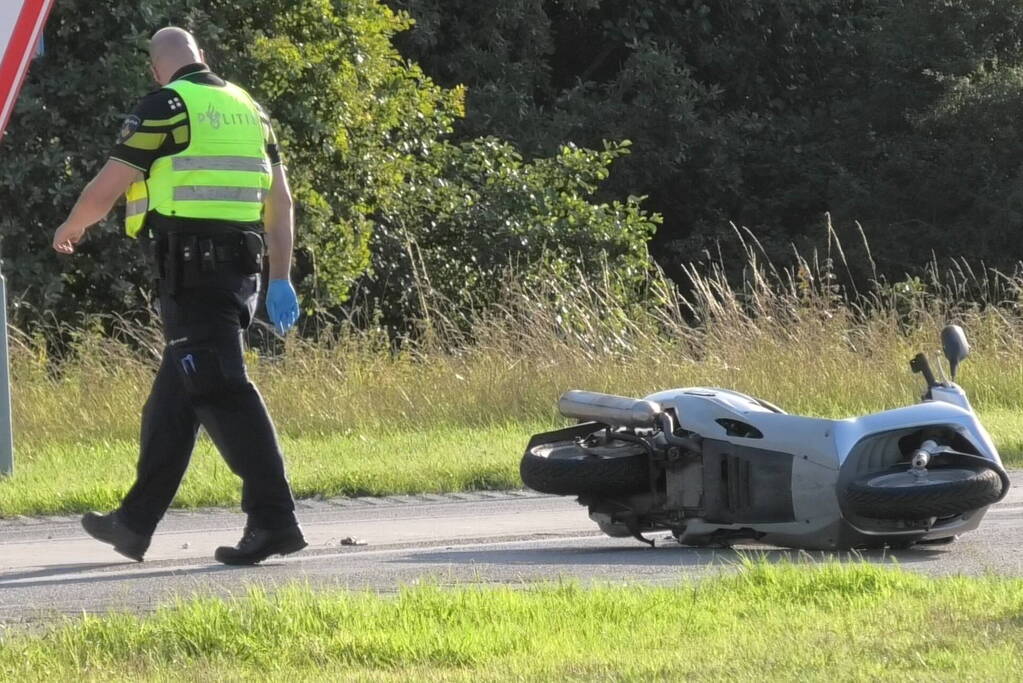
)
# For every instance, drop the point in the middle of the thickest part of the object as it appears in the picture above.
(477, 211)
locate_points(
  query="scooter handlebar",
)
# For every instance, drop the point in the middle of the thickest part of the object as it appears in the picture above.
(921, 365)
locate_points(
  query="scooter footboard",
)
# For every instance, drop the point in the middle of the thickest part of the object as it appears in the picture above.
(746, 485)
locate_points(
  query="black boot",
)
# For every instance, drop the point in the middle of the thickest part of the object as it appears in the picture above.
(109, 529)
(258, 544)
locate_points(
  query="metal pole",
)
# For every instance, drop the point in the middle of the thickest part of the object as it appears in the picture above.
(6, 433)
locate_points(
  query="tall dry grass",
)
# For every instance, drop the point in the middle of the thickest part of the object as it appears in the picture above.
(789, 335)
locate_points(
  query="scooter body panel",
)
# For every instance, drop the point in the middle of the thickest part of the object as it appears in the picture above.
(819, 448)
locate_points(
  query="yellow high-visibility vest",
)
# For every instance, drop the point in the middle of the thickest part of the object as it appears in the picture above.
(223, 174)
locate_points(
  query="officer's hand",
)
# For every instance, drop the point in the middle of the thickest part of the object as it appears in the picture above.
(66, 237)
(282, 305)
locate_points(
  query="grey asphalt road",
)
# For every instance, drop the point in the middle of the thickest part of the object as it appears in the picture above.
(49, 566)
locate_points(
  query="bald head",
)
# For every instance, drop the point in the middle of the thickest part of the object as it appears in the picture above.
(170, 49)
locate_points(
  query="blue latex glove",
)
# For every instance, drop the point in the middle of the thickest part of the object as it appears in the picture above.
(282, 305)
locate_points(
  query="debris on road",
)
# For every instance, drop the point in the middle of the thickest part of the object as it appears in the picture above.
(351, 540)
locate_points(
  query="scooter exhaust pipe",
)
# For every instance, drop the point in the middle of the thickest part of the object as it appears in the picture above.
(617, 411)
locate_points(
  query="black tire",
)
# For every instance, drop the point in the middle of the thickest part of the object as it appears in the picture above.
(944, 492)
(565, 469)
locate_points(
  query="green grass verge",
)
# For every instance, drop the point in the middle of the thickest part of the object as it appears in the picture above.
(828, 623)
(70, 478)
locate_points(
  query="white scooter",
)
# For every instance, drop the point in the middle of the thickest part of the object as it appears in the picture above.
(716, 467)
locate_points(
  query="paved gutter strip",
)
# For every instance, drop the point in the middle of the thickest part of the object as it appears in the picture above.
(305, 504)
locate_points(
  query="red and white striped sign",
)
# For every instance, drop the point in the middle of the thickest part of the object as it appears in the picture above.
(21, 25)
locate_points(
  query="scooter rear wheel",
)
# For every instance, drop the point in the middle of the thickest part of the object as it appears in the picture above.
(942, 492)
(565, 468)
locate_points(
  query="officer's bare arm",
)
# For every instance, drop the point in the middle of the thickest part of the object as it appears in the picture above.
(94, 204)
(278, 219)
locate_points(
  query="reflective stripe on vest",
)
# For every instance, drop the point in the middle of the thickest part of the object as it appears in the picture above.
(222, 194)
(221, 164)
(224, 173)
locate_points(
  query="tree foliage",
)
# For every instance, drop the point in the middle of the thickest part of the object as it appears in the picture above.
(764, 113)
(362, 132)
(494, 134)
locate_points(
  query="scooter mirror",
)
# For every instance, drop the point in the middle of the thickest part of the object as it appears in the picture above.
(955, 346)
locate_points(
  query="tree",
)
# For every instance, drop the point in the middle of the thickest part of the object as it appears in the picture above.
(763, 113)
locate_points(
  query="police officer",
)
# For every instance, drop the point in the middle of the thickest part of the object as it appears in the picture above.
(203, 176)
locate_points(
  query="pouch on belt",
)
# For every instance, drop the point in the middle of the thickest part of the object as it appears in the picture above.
(190, 261)
(250, 256)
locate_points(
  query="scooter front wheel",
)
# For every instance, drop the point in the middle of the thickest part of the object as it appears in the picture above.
(940, 492)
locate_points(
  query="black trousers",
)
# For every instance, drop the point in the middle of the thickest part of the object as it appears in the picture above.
(202, 381)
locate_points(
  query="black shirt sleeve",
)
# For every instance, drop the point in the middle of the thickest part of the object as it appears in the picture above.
(157, 128)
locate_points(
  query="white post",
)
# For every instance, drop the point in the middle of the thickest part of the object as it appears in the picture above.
(6, 433)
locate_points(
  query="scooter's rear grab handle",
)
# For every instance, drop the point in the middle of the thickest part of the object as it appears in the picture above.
(618, 411)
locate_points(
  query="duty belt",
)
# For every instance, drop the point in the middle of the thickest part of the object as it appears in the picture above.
(187, 259)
